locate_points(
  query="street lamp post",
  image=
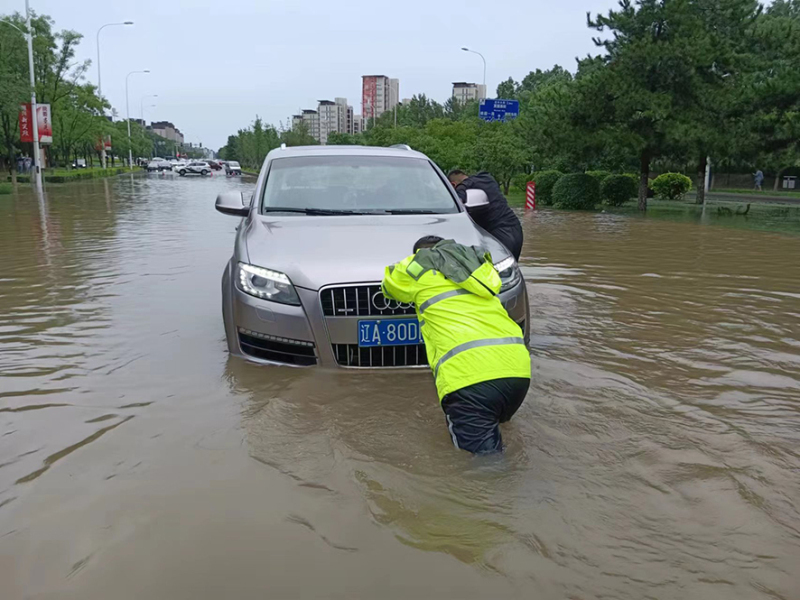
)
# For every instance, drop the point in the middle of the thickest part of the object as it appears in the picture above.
(37, 169)
(141, 105)
(128, 115)
(100, 84)
(484, 63)
(99, 79)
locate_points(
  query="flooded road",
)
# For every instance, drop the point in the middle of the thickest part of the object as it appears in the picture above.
(655, 457)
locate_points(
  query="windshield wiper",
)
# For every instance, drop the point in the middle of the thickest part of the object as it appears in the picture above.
(312, 211)
(413, 211)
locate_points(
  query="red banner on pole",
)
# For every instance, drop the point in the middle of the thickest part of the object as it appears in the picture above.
(530, 195)
(44, 123)
(25, 124)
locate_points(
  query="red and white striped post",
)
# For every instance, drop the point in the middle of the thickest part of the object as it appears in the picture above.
(530, 196)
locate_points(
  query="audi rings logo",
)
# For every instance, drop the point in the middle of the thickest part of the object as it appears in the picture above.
(381, 302)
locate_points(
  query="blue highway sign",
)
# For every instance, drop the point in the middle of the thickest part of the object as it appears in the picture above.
(498, 109)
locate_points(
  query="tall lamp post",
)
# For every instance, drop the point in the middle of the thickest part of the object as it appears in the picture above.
(128, 115)
(37, 155)
(100, 84)
(141, 105)
(484, 64)
(99, 79)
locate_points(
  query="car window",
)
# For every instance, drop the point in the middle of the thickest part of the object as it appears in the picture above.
(356, 183)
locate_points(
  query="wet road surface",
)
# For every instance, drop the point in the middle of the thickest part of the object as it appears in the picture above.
(655, 457)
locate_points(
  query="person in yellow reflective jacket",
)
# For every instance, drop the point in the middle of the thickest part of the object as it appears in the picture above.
(480, 362)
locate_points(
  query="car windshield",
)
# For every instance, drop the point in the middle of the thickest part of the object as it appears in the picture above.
(356, 184)
(233, 163)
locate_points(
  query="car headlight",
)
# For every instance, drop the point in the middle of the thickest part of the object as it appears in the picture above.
(267, 285)
(509, 273)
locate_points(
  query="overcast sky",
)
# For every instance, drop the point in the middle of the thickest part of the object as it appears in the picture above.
(216, 64)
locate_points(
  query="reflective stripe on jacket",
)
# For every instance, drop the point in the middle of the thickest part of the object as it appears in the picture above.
(469, 337)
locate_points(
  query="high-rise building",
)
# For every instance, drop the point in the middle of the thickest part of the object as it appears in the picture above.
(328, 119)
(378, 94)
(464, 92)
(311, 121)
(394, 93)
(345, 116)
(358, 124)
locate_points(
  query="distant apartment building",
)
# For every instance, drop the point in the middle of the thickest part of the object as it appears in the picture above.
(310, 119)
(378, 95)
(167, 130)
(345, 115)
(330, 116)
(358, 124)
(464, 92)
(328, 119)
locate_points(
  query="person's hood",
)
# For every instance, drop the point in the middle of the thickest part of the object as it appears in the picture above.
(469, 267)
(318, 251)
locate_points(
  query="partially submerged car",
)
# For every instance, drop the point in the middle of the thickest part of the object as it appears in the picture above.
(303, 285)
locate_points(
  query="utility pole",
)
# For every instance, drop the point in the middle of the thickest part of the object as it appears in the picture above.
(37, 155)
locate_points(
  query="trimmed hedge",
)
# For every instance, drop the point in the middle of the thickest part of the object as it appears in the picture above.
(671, 186)
(616, 190)
(64, 176)
(599, 175)
(578, 191)
(78, 175)
(545, 181)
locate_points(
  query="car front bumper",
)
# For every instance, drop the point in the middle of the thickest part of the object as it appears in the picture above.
(307, 335)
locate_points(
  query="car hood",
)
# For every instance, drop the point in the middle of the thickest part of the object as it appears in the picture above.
(319, 251)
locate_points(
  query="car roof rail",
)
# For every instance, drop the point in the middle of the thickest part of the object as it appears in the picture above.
(401, 146)
(283, 146)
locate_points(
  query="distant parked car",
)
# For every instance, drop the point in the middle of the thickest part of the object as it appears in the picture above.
(232, 168)
(195, 168)
(79, 163)
(158, 165)
(214, 164)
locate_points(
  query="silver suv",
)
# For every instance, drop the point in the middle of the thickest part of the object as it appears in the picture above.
(303, 285)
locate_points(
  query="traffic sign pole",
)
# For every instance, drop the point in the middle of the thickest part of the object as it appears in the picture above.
(530, 196)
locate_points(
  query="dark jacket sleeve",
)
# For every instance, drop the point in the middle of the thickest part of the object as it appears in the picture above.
(461, 190)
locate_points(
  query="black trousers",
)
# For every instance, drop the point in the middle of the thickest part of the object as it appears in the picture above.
(510, 236)
(474, 413)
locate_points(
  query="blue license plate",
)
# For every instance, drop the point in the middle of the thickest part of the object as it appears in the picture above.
(388, 332)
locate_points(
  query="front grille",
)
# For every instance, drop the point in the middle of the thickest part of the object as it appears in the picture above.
(410, 355)
(292, 352)
(357, 301)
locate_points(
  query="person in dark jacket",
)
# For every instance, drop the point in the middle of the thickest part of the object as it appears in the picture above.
(487, 206)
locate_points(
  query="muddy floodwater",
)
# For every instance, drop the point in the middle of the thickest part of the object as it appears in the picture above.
(656, 456)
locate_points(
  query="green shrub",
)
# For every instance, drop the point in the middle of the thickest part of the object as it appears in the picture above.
(616, 190)
(545, 181)
(6, 188)
(577, 191)
(671, 186)
(599, 175)
(520, 181)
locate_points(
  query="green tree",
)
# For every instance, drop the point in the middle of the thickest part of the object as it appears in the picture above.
(507, 89)
(500, 151)
(657, 66)
(14, 87)
(299, 136)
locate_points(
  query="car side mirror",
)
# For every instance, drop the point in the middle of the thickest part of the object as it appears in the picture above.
(232, 203)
